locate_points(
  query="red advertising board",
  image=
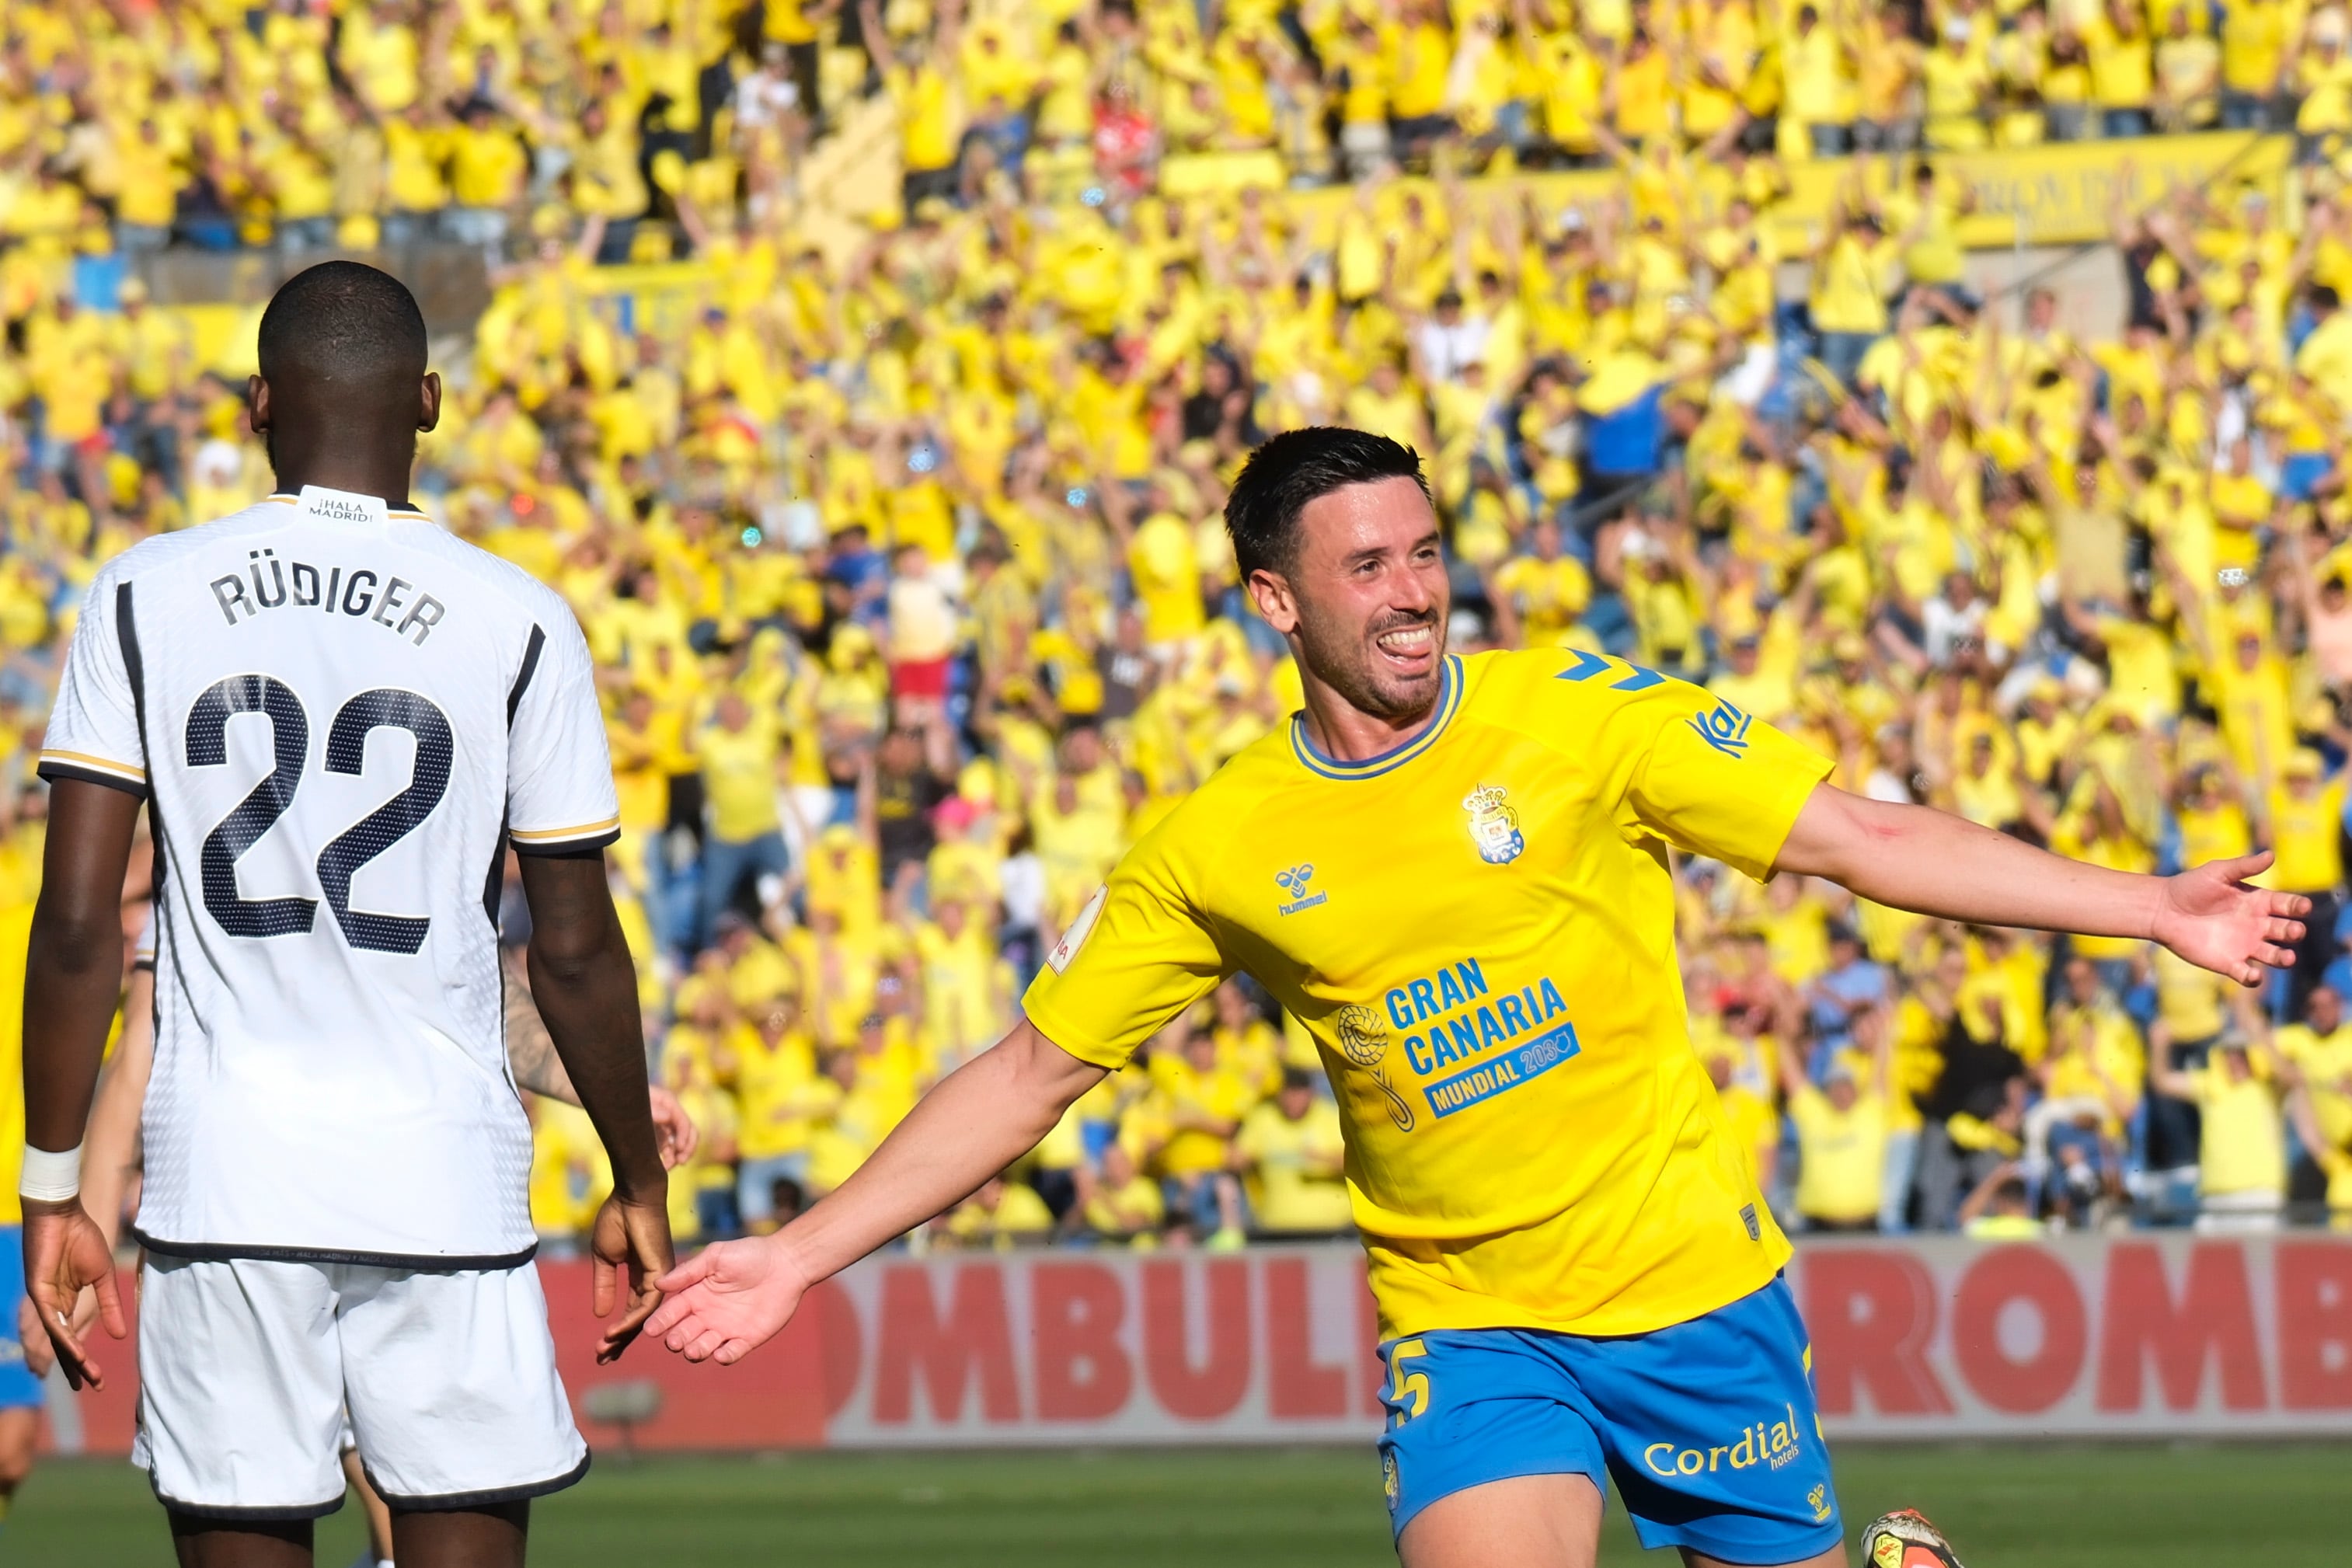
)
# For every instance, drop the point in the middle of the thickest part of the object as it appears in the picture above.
(2135, 1335)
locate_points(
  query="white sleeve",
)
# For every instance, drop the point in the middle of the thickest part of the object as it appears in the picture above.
(560, 794)
(93, 732)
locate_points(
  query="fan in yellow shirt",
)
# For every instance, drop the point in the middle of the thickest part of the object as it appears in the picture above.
(2304, 821)
(1540, 595)
(931, 111)
(1842, 1129)
(1124, 1204)
(742, 754)
(1454, 872)
(2241, 1142)
(1003, 1214)
(1200, 1104)
(1291, 1152)
(783, 1100)
(1165, 569)
(2320, 1046)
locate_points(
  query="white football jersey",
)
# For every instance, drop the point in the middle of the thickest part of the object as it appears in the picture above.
(340, 715)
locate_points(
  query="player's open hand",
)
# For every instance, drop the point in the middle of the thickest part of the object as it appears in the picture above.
(64, 1251)
(629, 1243)
(728, 1300)
(2211, 918)
(674, 1128)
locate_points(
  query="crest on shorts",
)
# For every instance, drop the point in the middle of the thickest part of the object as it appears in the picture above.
(1494, 826)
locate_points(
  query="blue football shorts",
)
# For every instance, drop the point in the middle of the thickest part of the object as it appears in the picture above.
(18, 1387)
(1708, 1427)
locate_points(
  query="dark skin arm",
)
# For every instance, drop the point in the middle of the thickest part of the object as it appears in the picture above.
(586, 989)
(73, 976)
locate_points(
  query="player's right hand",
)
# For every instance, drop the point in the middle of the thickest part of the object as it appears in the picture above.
(39, 1354)
(64, 1251)
(728, 1300)
(629, 1243)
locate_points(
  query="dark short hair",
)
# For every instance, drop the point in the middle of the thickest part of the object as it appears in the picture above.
(1298, 466)
(345, 322)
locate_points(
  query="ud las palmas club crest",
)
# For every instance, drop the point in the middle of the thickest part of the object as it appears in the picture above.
(1364, 1040)
(1494, 826)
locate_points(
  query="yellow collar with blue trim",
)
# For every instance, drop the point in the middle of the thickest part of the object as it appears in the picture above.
(1449, 697)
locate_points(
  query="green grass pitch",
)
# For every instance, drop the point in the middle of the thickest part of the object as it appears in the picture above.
(2281, 1506)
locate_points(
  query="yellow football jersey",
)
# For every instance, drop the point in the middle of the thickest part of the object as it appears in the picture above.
(1478, 929)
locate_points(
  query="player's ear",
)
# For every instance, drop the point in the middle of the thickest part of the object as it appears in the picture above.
(1270, 591)
(429, 404)
(256, 405)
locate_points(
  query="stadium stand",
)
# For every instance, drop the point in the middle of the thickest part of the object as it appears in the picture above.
(867, 377)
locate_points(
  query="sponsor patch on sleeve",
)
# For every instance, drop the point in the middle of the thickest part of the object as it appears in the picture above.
(1076, 937)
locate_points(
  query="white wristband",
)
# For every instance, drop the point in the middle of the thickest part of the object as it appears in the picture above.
(50, 1178)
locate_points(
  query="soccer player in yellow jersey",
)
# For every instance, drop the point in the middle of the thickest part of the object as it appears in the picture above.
(1454, 872)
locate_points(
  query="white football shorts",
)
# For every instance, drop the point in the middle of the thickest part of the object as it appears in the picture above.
(247, 1367)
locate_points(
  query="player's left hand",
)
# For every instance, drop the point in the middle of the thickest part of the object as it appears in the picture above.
(65, 1250)
(2211, 917)
(679, 1135)
(629, 1239)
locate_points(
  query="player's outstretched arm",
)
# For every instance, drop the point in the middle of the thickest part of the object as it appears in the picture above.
(1933, 863)
(728, 1300)
(73, 975)
(586, 989)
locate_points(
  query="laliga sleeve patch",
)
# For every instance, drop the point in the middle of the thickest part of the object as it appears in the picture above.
(1076, 937)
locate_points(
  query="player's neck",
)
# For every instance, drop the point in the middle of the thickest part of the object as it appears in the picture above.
(1344, 732)
(344, 460)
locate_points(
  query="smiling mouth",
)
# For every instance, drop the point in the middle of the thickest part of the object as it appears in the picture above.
(1409, 644)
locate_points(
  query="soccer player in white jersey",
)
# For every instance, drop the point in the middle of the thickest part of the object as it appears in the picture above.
(339, 716)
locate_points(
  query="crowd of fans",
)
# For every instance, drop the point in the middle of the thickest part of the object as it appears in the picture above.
(910, 597)
(305, 123)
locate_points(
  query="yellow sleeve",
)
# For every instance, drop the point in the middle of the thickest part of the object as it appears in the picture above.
(1140, 952)
(1719, 783)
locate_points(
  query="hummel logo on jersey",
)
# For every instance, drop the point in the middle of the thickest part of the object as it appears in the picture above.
(1294, 882)
(335, 590)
